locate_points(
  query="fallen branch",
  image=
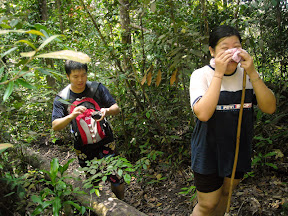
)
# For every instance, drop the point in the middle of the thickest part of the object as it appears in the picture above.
(104, 205)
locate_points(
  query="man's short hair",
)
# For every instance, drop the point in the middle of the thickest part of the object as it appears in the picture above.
(73, 65)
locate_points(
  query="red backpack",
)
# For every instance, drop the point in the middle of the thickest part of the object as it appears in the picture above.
(85, 128)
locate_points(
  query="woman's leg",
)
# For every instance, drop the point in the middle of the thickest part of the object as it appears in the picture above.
(221, 208)
(207, 203)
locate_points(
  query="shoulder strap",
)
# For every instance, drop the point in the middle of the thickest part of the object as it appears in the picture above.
(93, 87)
(65, 93)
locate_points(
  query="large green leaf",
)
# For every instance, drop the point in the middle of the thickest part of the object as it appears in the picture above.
(68, 55)
(8, 91)
(27, 42)
(25, 84)
(9, 51)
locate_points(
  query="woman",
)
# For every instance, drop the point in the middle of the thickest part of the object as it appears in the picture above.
(215, 94)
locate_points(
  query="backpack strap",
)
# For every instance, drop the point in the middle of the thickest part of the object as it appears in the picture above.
(92, 86)
(65, 93)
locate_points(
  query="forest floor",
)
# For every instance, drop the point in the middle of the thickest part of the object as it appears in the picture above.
(264, 194)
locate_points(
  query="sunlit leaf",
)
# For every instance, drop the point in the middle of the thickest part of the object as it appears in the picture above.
(5, 145)
(158, 79)
(173, 77)
(143, 80)
(47, 41)
(11, 31)
(25, 84)
(149, 78)
(35, 32)
(68, 55)
(27, 42)
(8, 91)
(28, 54)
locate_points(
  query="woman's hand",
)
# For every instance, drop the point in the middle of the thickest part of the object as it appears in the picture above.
(248, 65)
(221, 61)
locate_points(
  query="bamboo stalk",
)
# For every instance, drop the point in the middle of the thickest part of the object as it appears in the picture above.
(237, 142)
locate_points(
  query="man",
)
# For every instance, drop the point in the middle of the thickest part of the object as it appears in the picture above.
(77, 75)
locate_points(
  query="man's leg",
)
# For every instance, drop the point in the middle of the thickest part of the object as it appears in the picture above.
(118, 190)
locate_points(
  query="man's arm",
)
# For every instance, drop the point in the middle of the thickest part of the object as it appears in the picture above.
(61, 123)
(112, 110)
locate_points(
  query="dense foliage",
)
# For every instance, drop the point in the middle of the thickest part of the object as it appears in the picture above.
(144, 52)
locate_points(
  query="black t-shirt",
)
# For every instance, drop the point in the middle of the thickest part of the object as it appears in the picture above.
(105, 101)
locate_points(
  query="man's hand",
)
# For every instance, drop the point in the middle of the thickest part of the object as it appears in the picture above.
(78, 110)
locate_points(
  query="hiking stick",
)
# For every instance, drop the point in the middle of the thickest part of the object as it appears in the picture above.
(237, 142)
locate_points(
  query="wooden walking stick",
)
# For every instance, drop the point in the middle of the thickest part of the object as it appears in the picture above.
(237, 142)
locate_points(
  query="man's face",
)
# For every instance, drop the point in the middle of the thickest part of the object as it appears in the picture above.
(78, 80)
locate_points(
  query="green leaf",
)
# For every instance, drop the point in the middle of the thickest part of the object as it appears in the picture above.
(47, 41)
(54, 169)
(120, 172)
(1, 70)
(25, 84)
(35, 32)
(14, 22)
(148, 115)
(65, 167)
(9, 51)
(68, 55)
(127, 178)
(27, 42)
(56, 206)
(36, 199)
(97, 192)
(8, 91)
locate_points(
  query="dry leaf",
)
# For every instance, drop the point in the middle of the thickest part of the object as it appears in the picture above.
(173, 77)
(159, 176)
(158, 79)
(149, 78)
(143, 80)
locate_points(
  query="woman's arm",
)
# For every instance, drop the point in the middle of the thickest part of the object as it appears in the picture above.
(265, 97)
(205, 107)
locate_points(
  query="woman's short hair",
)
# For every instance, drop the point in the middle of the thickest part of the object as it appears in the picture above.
(220, 32)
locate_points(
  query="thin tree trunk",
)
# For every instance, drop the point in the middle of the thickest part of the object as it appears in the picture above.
(58, 3)
(49, 62)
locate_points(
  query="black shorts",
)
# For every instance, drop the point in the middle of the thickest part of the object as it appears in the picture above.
(211, 182)
(90, 152)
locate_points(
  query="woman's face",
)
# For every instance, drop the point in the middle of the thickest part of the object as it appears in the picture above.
(225, 44)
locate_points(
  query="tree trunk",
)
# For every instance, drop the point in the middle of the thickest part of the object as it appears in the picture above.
(49, 62)
(59, 10)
